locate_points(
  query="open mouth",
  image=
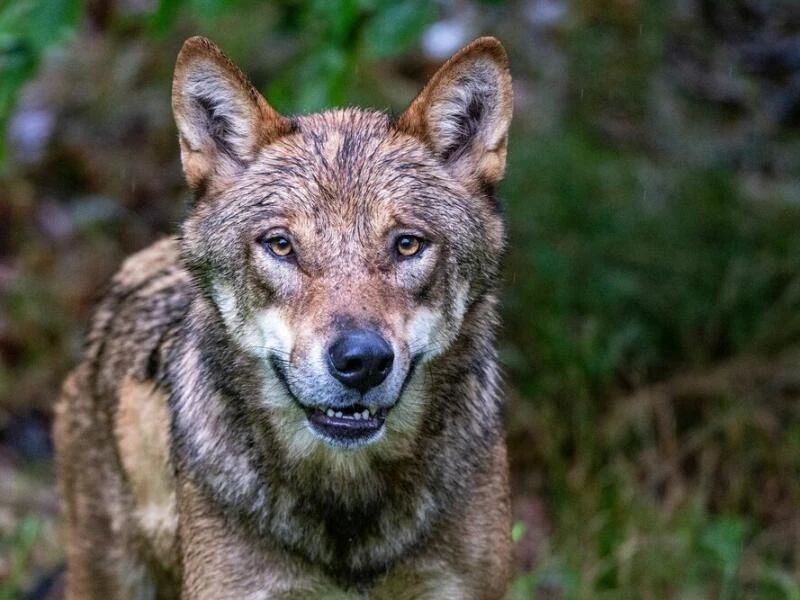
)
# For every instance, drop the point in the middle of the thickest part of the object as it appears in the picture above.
(349, 426)
(355, 423)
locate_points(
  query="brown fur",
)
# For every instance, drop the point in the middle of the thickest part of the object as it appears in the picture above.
(186, 461)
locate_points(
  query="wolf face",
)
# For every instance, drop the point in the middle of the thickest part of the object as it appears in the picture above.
(343, 250)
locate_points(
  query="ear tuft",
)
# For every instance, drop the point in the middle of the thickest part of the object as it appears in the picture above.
(222, 120)
(464, 113)
(458, 117)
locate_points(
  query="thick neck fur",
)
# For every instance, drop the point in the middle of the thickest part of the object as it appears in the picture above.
(302, 507)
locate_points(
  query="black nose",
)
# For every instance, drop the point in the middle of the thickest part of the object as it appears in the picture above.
(360, 359)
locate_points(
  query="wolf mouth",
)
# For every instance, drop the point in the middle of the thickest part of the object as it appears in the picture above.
(352, 423)
(348, 425)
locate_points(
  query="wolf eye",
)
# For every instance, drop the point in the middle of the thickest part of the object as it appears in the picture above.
(408, 245)
(279, 245)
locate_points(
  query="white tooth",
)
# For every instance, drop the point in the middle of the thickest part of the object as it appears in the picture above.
(338, 414)
(357, 416)
(372, 411)
(330, 412)
(365, 414)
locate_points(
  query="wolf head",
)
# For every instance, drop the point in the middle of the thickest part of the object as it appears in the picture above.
(343, 251)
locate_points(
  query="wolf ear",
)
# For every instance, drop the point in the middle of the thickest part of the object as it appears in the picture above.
(464, 112)
(222, 120)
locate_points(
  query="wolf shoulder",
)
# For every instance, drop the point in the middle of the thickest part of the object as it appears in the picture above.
(139, 315)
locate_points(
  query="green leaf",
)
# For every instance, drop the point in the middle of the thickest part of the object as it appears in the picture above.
(51, 21)
(27, 30)
(724, 538)
(517, 531)
(165, 16)
(395, 27)
(210, 10)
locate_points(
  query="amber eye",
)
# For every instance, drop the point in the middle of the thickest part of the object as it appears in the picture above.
(408, 245)
(279, 245)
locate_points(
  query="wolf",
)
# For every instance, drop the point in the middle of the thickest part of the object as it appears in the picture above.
(299, 395)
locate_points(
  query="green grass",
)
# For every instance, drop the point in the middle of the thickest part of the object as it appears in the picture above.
(18, 549)
(633, 269)
(624, 272)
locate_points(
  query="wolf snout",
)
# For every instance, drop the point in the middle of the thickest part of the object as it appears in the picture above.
(361, 359)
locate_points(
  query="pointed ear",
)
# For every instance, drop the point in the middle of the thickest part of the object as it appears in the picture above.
(222, 120)
(464, 112)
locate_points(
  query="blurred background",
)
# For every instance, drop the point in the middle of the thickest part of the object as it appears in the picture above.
(652, 297)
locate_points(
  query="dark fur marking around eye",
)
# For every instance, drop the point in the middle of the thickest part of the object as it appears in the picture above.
(423, 293)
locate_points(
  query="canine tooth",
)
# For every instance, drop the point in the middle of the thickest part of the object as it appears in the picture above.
(338, 414)
(365, 414)
(330, 412)
(372, 411)
(357, 416)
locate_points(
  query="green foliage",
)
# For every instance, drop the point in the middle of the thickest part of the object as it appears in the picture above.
(18, 549)
(341, 36)
(690, 556)
(395, 26)
(621, 272)
(613, 53)
(167, 12)
(632, 269)
(28, 29)
(337, 36)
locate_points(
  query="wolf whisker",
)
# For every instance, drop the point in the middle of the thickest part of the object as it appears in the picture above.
(428, 347)
(274, 350)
